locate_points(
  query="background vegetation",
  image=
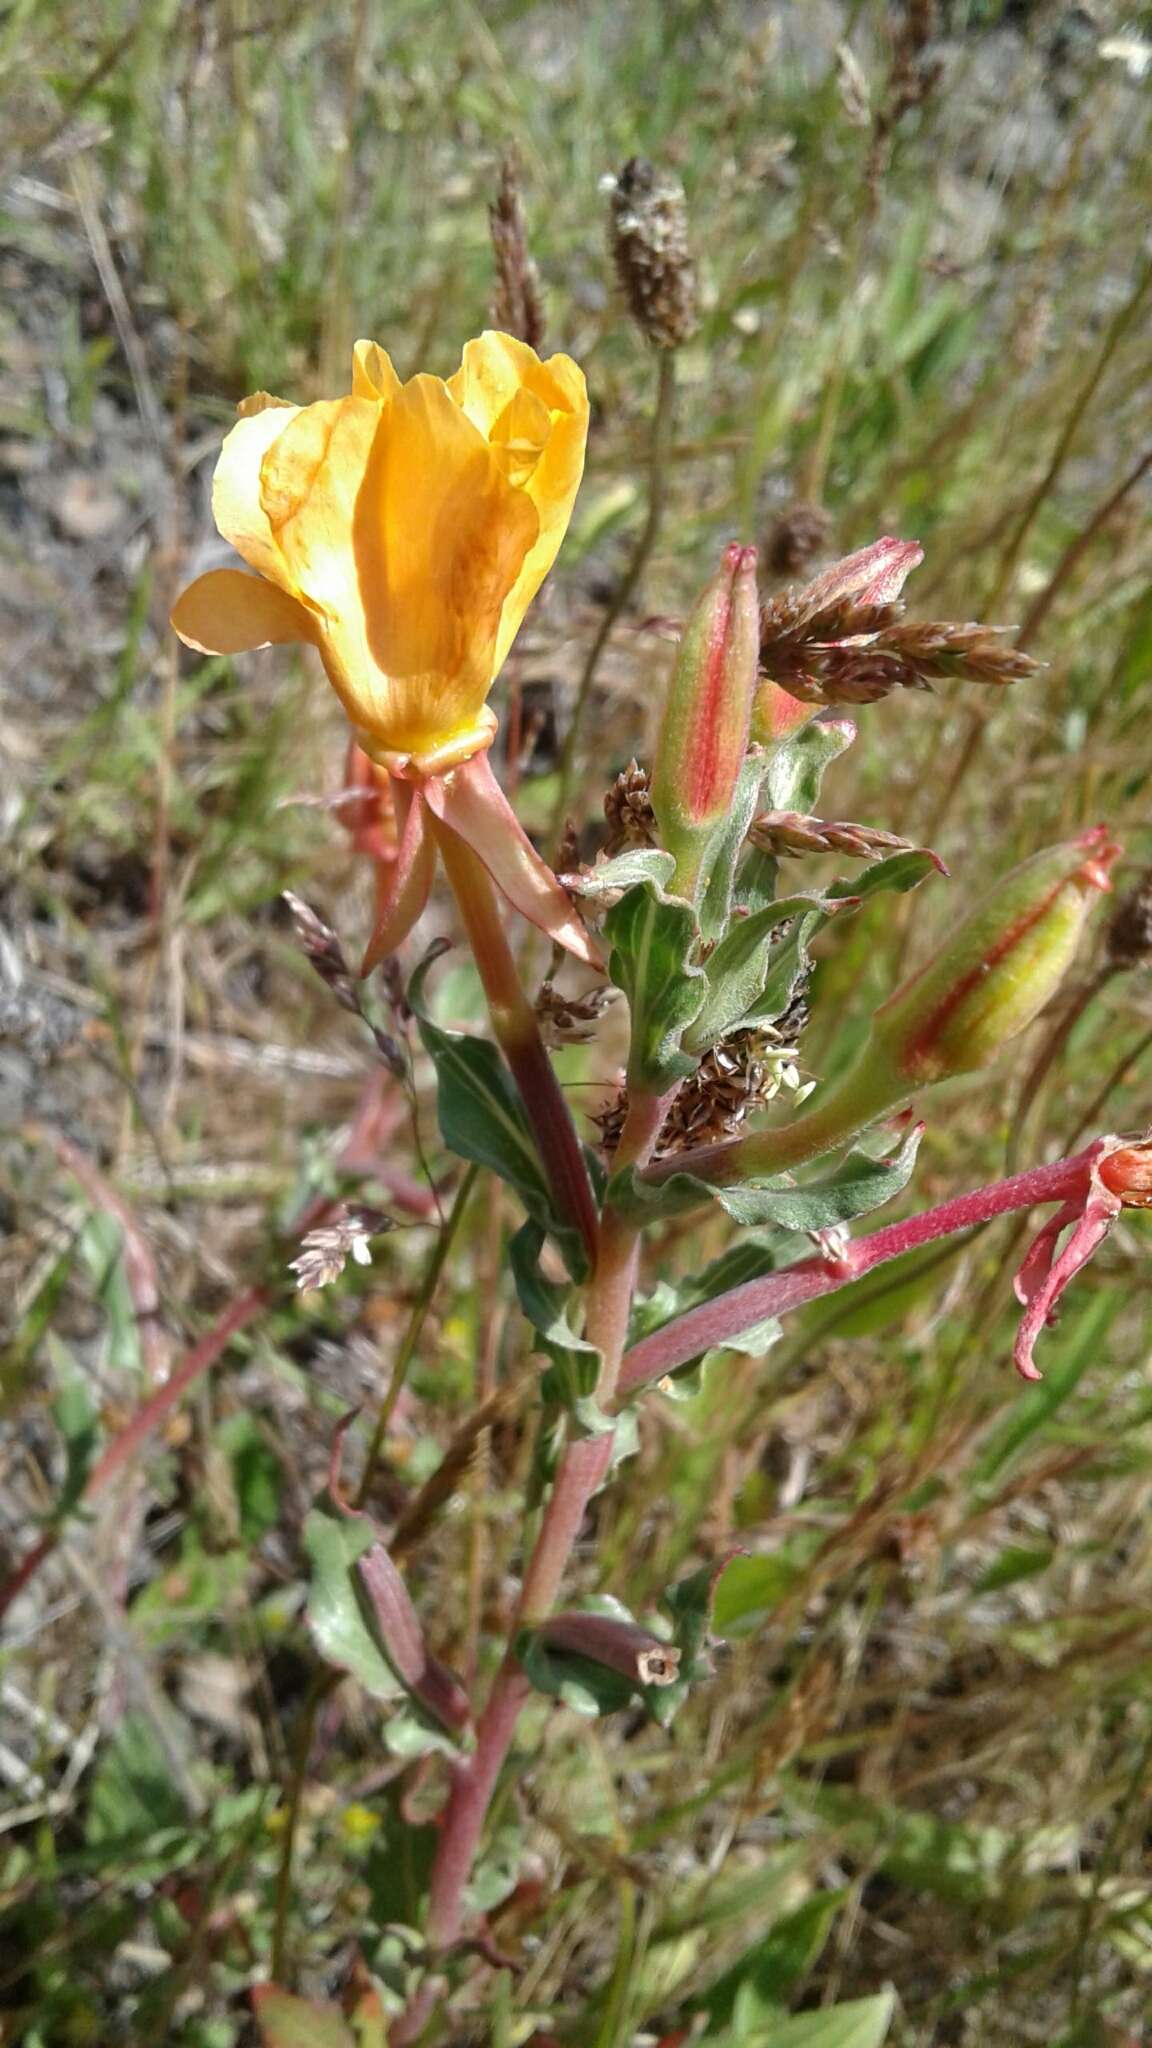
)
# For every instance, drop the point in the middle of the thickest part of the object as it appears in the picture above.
(925, 1757)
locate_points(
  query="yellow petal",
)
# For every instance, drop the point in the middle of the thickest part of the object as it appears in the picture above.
(495, 371)
(309, 481)
(440, 538)
(372, 372)
(236, 504)
(227, 612)
(261, 401)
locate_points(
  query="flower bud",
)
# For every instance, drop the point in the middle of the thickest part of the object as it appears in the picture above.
(776, 714)
(999, 967)
(704, 736)
(621, 1646)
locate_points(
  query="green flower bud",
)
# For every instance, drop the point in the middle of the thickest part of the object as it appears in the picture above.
(704, 737)
(998, 969)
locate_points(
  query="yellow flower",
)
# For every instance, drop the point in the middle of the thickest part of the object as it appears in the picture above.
(403, 532)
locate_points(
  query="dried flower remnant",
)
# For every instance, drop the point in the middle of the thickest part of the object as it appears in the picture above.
(652, 252)
(789, 834)
(843, 640)
(571, 1020)
(743, 1073)
(517, 305)
(325, 1252)
(1119, 1177)
(321, 944)
(628, 810)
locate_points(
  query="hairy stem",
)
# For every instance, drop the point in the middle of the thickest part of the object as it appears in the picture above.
(659, 452)
(717, 1322)
(582, 1470)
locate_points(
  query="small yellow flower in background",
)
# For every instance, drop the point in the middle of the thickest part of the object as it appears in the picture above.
(358, 1824)
(403, 532)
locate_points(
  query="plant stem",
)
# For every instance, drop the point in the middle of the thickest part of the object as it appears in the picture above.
(582, 1469)
(660, 448)
(322, 1684)
(717, 1322)
(857, 1099)
(442, 1245)
(518, 1030)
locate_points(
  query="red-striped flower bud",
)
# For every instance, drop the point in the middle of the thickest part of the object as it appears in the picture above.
(704, 737)
(998, 969)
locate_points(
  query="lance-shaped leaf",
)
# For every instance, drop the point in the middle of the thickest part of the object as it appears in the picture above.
(335, 1543)
(860, 1183)
(751, 975)
(481, 1118)
(653, 937)
(611, 877)
(571, 1380)
(795, 769)
(898, 872)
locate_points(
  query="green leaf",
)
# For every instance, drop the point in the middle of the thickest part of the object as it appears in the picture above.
(748, 1258)
(796, 767)
(653, 937)
(752, 973)
(635, 864)
(571, 1381)
(335, 1614)
(481, 1118)
(860, 2023)
(1014, 1563)
(133, 1791)
(900, 872)
(257, 1474)
(287, 2022)
(77, 1418)
(945, 1859)
(578, 1683)
(688, 1605)
(751, 1588)
(754, 1989)
(859, 1184)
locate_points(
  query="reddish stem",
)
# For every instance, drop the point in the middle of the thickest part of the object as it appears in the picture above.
(717, 1322)
(583, 1468)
